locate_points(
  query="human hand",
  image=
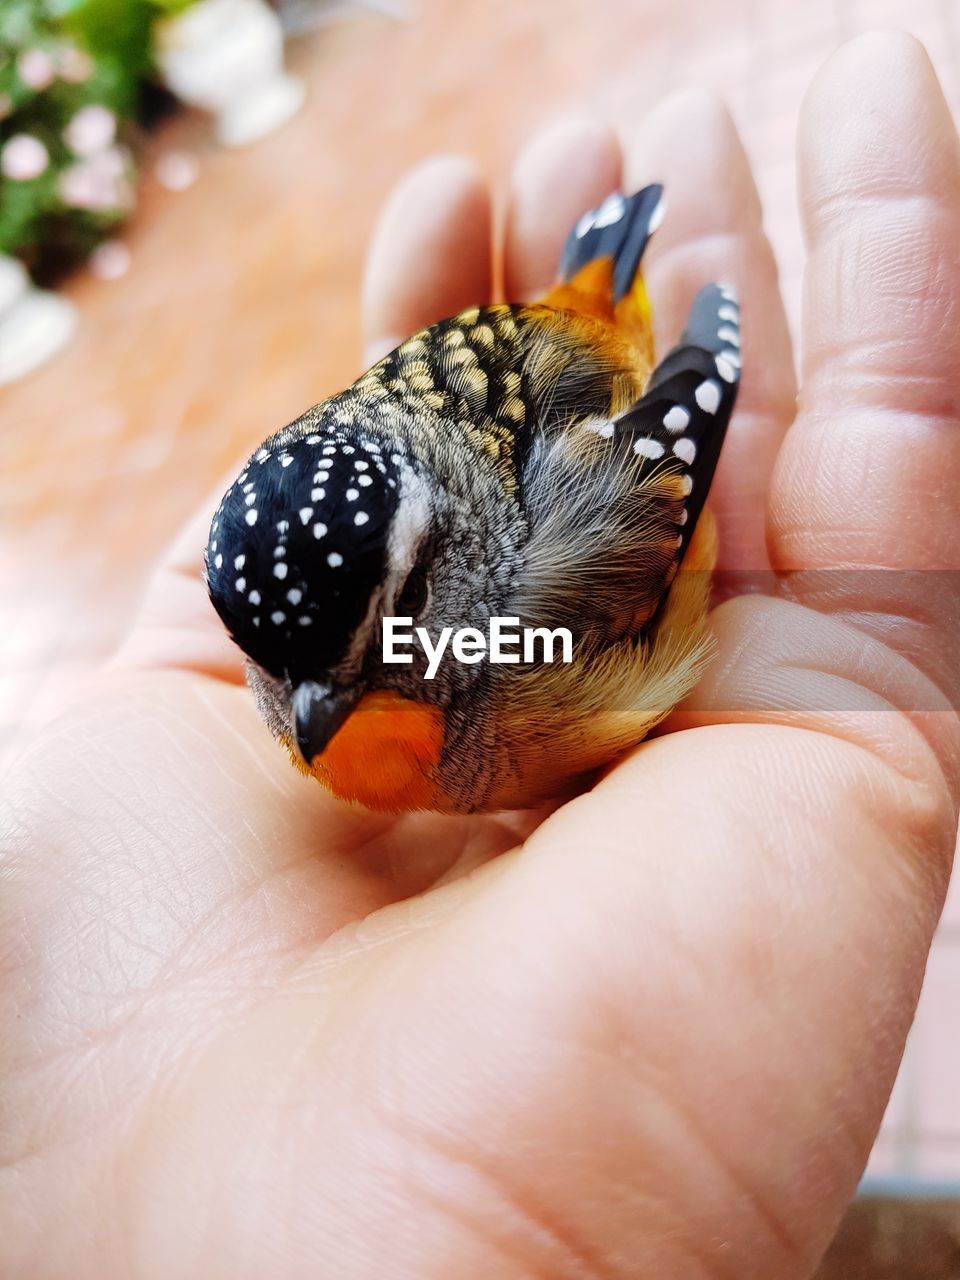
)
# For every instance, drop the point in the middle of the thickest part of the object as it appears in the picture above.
(250, 1032)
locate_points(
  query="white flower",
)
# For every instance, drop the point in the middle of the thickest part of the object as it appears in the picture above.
(23, 157)
(35, 68)
(92, 129)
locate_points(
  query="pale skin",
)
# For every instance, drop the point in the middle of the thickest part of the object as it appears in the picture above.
(250, 1032)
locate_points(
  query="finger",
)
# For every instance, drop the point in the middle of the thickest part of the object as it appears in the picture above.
(559, 176)
(176, 627)
(705, 960)
(713, 231)
(869, 473)
(696, 1025)
(778, 662)
(430, 255)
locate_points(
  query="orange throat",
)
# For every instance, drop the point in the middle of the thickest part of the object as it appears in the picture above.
(383, 756)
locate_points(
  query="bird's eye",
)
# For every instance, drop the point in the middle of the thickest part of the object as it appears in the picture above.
(414, 594)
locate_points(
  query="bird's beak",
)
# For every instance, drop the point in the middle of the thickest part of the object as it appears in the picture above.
(318, 712)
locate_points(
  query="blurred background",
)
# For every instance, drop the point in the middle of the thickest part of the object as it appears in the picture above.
(186, 191)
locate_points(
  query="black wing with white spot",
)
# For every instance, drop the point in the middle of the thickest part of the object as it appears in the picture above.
(684, 412)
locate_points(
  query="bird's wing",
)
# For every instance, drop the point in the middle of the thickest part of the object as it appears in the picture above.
(612, 499)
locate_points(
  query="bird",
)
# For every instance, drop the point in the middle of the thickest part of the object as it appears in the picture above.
(529, 462)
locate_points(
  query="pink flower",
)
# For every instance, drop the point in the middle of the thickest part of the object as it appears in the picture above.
(23, 157)
(35, 68)
(73, 64)
(99, 184)
(110, 260)
(176, 170)
(92, 129)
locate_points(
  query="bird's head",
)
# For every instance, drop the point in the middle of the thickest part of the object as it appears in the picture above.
(328, 528)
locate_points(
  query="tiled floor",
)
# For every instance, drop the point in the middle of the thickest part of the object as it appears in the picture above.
(241, 307)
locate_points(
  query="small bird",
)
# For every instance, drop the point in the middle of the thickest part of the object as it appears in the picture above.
(523, 462)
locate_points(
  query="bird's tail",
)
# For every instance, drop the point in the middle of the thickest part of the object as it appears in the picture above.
(599, 268)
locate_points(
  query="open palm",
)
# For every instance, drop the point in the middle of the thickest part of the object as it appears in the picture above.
(250, 1032)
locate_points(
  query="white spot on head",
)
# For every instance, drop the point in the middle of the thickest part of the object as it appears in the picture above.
(263, 455)
(727, 333)
(250, 499)
(677, 419)
(280, 570)
(252, 516)
(305, 514)
(239, 561)
(294, 595)
(248, 486)
(347, 448)
(396, 459)
(283, 526)
(329, 451)
(686, 451)
(361, 518)
(241, 584)
(254, 596)
(317, 495)
(363, 480)
(319, 530)
(647, 448)
(242, 476)
(708, 396)
(313, 439)
(277, 617)
(352, 495)
(286, 460)
(728, 353)
(361, 465)
(725, 369)
(304, 620)
(256, 621)
(218, 562)
(334, 559)
(279, 551)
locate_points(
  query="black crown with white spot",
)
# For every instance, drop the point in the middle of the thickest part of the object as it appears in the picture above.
(298, 545)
